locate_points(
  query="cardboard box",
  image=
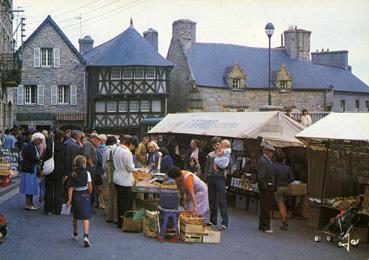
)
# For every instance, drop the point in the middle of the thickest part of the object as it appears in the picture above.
(360, 233)
(211, 236)
(241, 202)
(297, 189)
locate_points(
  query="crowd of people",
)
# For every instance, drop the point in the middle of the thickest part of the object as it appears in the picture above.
(94, 170)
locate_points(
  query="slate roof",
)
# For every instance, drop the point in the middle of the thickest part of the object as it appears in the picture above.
(59, 31)
(210, 61)
(127, 49)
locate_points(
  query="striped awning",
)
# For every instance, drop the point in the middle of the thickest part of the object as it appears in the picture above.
(71, 117)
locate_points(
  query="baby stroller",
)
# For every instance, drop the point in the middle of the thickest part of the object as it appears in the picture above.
(341, 228)
(3, 225)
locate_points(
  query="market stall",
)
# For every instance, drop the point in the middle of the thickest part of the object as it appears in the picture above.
(338, 168)
(247, 131)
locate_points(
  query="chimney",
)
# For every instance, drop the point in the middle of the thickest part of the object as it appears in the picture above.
(185, 32)
(152, 37)
(337, 59)
(85, 44)
(297, 43)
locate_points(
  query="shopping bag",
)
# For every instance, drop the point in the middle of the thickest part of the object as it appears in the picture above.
(65, 210)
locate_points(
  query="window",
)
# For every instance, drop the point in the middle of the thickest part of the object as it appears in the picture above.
(367, 105)
(150, 73)
(283, 86)
(342, 106)
(127, 73)
(133, 106)
(139, 72)
(156, 106)
(30, 94)
(145, 106)
(63, 94)
(115, 74)
(46, 57)
(111, 107)
(123, 106)
(357, 105)
(235, 83)
(100, 107)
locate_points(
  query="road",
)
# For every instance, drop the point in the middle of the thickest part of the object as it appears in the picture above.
(33, 235)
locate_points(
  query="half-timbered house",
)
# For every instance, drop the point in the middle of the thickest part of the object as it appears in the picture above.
(127, 81)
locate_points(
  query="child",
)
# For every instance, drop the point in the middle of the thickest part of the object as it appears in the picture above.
(223, 156)
(79, 196)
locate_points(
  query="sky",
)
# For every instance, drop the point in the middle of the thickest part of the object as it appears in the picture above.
(335, 24)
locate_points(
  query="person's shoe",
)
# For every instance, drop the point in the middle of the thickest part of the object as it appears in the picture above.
(49, 213)
(223, 227)
(33, 208)
(284, 226)
(86, 242)
(268, 231)
(211, 224)
(75, 237)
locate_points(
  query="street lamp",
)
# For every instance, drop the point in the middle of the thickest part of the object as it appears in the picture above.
(269, 29)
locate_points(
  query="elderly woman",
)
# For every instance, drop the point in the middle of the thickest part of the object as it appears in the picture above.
(193, 190)
(31, 159)
(153, 157)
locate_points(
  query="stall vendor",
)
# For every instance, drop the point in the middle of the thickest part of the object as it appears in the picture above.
(194, 190)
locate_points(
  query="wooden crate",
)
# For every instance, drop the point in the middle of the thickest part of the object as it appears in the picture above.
(211, 236)
(192, 228)
(188, 218)
(191, 237)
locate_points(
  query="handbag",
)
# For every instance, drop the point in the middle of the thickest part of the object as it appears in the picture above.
(49, 164)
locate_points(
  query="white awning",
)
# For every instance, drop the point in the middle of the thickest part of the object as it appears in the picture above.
(274, 127)
(338, 126)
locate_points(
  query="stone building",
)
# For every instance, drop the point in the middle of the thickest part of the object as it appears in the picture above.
(52, 91)
(127, 81)
(9, 66)
(227, 77)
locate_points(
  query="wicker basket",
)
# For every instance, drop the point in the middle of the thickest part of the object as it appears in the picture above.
(148, 229)
(129, 225)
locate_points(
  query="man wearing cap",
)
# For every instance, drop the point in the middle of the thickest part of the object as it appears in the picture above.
(266, 180)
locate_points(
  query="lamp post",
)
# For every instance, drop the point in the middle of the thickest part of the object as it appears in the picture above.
(269, 29)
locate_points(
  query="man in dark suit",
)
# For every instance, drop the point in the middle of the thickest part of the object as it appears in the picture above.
(266, 186)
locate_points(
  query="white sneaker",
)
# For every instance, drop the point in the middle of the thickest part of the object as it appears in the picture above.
(75, 237)
(268, 231)
(86, 242)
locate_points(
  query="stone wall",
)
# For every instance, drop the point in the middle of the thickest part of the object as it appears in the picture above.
(350, 101)
(70, 72)
(214, 98)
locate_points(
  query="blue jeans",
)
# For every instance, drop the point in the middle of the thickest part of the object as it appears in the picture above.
(217, 196)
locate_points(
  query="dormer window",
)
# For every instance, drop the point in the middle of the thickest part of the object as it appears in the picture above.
(283, 79)
(235, 77)
(283, 86)
(236, 83)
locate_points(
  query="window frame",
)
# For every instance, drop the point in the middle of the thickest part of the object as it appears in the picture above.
(126, 71)
(152, 74)
(30, 89)
(157, 102)
(126, 104)
(142, 73)
(236, 83)
(49, 57)
(65, 89)
(146, 102)
(357, 105)
(101, 105)
(115, 78)
(283, 86)
(109, 107)
(367, 105)
(342, 105)
(130, 106)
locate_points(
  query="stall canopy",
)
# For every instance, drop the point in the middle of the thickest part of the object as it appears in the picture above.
(338, 126)
(273, 127)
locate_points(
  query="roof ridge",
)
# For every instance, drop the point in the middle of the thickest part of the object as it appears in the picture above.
(239, 45)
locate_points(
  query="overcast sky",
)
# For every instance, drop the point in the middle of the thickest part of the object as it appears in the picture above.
(335, 24)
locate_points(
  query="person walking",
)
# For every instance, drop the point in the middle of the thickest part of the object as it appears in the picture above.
(111, 213)
(54, 181)
(79, 197)
(123, 175)
(283, 177)
(31, 159)
(266, 186)
(216, 188)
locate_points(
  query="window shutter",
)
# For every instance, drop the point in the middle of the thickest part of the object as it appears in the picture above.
(73, 95)
(20, 95)
(40, 95)
(56, 57)
(54, 95)
(36, 57)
